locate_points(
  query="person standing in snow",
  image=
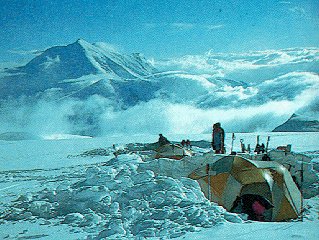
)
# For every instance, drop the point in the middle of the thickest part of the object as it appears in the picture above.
(218, 138)
(162, 140)
(188, 144)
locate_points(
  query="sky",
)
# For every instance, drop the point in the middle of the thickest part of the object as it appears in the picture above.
(158, 29)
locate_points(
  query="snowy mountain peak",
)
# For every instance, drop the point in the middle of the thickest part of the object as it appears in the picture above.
(69, 61)
(82, 42)
(82, 58)
(64, 64)
(108, 60)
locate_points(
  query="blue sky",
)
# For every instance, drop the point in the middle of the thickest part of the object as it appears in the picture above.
(158, 28)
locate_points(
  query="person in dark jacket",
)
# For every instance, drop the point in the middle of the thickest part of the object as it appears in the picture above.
(188, 144)
(218, 138)
(162, 140)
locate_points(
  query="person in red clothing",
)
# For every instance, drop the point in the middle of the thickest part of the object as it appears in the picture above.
(258, 211)
(254, 206)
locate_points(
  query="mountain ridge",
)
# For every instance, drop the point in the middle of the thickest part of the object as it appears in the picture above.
(56, 66)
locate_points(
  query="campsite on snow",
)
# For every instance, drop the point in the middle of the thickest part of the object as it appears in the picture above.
(81, 159)
(125, 187)
(149, 119)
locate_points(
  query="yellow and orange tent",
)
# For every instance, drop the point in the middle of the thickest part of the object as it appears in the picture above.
(233, 176)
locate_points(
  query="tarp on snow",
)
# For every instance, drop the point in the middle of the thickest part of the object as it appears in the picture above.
(172, 151)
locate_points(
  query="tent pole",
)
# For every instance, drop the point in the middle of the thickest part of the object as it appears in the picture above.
(208, 176)
(267, 144)
(301, 188)
(232, 142)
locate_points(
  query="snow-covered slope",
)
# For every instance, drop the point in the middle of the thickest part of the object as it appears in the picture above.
(297, 123)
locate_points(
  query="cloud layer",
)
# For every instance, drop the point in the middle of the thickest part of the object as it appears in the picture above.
(95, 117)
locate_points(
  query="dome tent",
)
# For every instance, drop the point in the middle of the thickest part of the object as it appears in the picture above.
(232, 176)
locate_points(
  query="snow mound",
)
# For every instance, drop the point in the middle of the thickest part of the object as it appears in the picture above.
(121, 201)
(93, 153)
(17, 136)
(311, 208)
(62, 136)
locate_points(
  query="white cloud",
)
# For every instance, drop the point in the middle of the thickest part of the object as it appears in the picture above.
(189, 119)
(26, 52)
(51, 61)
(183, 26)
(268, 62)
(298, 10)
(188, 26)
(95, 114)
(186, 63)
(240, 92)
(285, 2)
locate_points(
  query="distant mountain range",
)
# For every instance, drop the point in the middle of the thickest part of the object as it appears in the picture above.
(81, 70)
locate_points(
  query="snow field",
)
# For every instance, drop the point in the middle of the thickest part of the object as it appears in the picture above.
(75, 189)
(120, 201)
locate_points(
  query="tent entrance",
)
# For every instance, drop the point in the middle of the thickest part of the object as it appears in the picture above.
(257, 207)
